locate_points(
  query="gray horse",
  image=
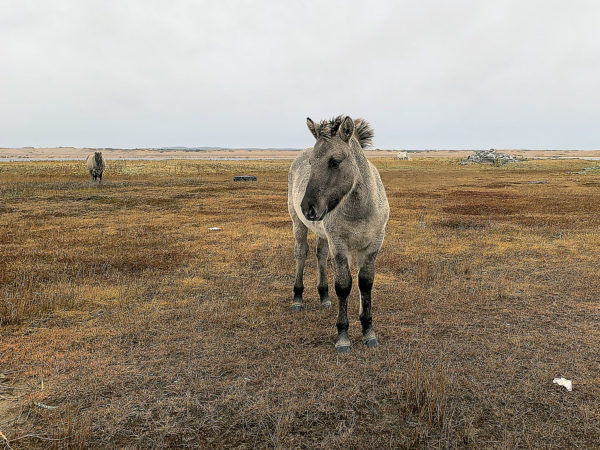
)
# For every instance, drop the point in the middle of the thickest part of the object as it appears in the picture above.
(95, 165)
(334, 191)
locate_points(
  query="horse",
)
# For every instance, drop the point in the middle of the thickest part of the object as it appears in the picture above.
(95, 165)
(334, 191)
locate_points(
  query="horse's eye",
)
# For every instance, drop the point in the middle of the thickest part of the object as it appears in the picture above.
(333, 163)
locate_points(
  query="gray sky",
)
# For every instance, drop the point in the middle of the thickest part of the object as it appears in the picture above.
(426, 74)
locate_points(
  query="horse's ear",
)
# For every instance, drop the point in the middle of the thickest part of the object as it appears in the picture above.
(313, 127)
(346, 129)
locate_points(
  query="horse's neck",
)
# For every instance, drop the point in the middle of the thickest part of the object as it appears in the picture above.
(361, 192)
(361, 161)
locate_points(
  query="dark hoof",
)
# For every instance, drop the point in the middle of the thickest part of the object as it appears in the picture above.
(326, 304)
(343, 349)
(297, 307)
(371, 343)
(342, 345)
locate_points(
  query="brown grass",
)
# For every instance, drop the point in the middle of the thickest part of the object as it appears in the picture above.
(143, 328)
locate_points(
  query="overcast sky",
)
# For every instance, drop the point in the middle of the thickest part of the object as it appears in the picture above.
(426, 74)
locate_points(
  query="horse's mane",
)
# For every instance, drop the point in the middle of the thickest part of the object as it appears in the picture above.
(362, 130)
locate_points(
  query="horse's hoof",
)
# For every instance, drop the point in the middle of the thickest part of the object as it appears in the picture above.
(342, 345)
(297, 307)
(343, 349)
(370, 338)
(326, 304)
(371, 343)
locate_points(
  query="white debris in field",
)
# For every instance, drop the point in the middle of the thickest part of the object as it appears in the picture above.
(490, 156)
(42, 405)
(564, 382)
(214, 228)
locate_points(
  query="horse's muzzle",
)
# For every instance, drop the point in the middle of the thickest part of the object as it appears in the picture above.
(310, 212)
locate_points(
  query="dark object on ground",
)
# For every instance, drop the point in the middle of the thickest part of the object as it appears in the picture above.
(244, 178)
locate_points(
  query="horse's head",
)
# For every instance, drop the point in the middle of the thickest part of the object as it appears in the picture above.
(98, 157)
(332, 167)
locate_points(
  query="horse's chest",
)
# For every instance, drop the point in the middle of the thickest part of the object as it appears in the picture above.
(355, 237)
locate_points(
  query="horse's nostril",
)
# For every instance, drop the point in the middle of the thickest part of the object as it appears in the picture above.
(311, 212)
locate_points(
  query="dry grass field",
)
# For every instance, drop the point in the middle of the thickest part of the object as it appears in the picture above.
(124, 321)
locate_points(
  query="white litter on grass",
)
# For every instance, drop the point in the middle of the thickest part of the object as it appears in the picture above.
(214, 228)
(42, 405)
(564, 382)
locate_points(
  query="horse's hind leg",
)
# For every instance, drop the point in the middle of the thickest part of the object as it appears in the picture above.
(322, 253)
(300, 253)
(366, 275)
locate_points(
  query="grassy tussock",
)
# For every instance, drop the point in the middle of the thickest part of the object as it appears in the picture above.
(146, 329)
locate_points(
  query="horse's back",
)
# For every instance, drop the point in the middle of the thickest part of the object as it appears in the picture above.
(297, 181)
(381, 197)
(92, 164)
(89, 162)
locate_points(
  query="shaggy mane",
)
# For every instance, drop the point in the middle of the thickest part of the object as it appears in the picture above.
(362, 130)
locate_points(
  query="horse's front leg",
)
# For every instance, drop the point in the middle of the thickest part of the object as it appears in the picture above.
(322, 254)
(300, 253)
(366, 275)
(343, 286)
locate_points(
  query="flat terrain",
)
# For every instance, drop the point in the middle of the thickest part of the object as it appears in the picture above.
(26, 153)
(157, 154)
(125, 321)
